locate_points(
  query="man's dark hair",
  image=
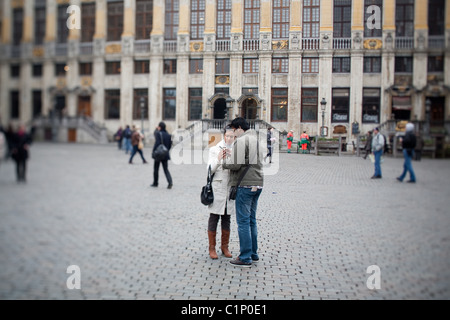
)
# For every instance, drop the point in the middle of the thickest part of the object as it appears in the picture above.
(162, 125)
(227, 128)
(240, 122)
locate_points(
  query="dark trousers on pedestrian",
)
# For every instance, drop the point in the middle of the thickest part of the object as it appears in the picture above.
(21, 166)
(156, 172)
(133, 152)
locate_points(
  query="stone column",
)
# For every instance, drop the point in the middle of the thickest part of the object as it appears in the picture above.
(155, 102)
(265, 84)
(209, 71)
(25, 112)
(265, 27)
(210, 26)
(183, 27)
(98, 65)
(356, 87)
(295, 29)
(49, 68)
(73, 79)
(236, 26)
(357, 23)
(182, 108)
(235, 82)
(4, 65)
(420, 62)
(127, 64)
(326, 24)
(326, 61)
(294, 101)
(325, 89)
(155, 91)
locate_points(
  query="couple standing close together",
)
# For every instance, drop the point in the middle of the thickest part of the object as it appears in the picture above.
(236, 158)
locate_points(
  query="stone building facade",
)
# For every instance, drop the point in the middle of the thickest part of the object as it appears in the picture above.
(297, 64)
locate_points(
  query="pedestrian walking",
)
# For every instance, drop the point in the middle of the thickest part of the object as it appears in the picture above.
(408, 145)
(304, 139)
(290, 138)
(368, 146)
(21, 142)
(127, 139)
(162, 137)
(137, 145)
(270, 143)
(222, 208)
(245, 166)
(377, 150)
(118, 136)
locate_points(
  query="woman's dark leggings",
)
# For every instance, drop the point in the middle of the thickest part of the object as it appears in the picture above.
(214, 219)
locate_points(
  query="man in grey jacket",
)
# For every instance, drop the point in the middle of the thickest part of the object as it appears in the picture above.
(377, 150)
(246, 158)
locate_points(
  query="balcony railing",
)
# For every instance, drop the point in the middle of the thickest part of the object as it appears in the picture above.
(250, 45)
(86, 48)
(310, 43)
(223, 45)
(170, 46)
(142, 46)
(404, 42)
(342, 43)
(61, 49)
(436, 42)
(16, 51)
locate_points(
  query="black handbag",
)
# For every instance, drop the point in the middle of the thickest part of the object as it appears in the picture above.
(161, 151)
(233, 189)
(207, 194)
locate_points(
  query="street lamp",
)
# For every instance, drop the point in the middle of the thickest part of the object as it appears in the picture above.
(142, 105)
(323, 105)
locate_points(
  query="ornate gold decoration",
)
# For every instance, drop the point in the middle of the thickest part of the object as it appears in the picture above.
(61, 82)
(86, 81)
(113, 48)
(38, 52)
(222, 80)
(280, 45)
(196, 46)
(373, 44)
(16, 4)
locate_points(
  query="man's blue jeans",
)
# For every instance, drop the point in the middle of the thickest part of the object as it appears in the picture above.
(246, 204)
(378, 155)
(407, 166)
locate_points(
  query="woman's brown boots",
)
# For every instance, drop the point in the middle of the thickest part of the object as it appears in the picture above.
(224, 244)
(212, 244)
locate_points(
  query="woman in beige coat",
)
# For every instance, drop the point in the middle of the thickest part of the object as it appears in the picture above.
(221, 208)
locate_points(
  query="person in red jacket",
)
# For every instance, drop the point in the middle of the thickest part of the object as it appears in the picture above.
(304, 141)
(290, 138)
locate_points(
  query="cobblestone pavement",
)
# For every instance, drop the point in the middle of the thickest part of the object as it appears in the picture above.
(322, 223)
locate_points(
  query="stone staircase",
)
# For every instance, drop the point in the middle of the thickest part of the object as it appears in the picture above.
(57, 129)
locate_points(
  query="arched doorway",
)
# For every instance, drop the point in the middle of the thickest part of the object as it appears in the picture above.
(249, 108)
(220, 109)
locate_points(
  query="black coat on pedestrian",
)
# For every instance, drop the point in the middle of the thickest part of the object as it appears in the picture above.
(166, 140)
(409, 142)
(19, 145)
